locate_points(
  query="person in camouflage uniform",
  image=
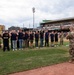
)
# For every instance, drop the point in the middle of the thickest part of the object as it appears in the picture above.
(70, 36)
(0, 40)
(61, 38)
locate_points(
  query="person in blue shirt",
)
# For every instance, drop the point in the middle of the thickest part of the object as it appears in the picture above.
(20, 39)
(46, 38)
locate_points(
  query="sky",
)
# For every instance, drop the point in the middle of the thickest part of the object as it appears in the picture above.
(19, 12)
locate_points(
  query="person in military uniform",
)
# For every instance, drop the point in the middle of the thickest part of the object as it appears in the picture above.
(5, 37)
(61, 36)
(0, 40)
(70, 36)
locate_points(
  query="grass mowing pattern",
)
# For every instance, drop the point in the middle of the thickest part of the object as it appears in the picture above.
(16, 61)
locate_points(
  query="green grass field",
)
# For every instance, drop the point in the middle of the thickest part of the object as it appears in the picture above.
(16, 61)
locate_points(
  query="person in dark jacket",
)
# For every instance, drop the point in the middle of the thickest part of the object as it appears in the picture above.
(46, 38)
(52, 38)
(11, 39)
(6, 37)
(31, 39)
(20, 39)
(56, 38)
(36, 39)
(27, 39)
(41, 38)
(14, 40)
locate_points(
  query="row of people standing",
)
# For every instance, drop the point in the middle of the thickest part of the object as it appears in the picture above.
(28, 39)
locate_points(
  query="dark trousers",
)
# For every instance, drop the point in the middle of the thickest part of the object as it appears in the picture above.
(36, 43)
(6, 45)
(46, 42)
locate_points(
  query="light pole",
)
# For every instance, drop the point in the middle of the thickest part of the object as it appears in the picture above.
(29, 27)
(33, 9)
(23, 25)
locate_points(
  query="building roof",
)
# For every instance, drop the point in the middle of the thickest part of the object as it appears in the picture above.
(55, 21)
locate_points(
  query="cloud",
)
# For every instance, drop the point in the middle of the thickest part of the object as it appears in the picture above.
(19, 12)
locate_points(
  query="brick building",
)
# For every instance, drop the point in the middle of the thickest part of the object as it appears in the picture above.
(2, 28)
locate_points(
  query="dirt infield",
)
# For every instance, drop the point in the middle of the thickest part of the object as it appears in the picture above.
(59, 69)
